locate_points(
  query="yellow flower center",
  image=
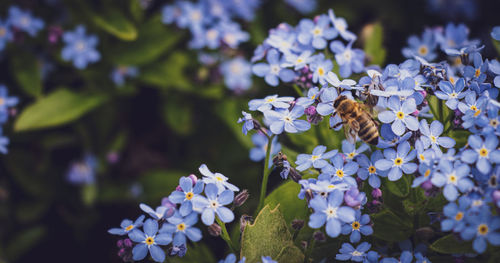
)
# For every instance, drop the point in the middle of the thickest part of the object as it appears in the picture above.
(433, 138)
(483, 152)
(452, 80)
(321, 71)
(398, 161)
(128, 228)
(340, 173)
(332, 186)
(427, 173)
(351, 155)
(452, 178)
(314, 157)
(218, 178)
(493, 122)
(400, 115)
(372, 169)
(355, 225)
(459, 216)
(477, 113)
(214, 204)
(189, 195)
(478, 72)
(422, 157)
(2, 101)
(3, 32)
(317, 31)
(482, 229)
(457, 61)
(287, 119)
(453, 95)
(299, 60)
(473, 107)
(181, 227)
(149, 241)
(422, 50)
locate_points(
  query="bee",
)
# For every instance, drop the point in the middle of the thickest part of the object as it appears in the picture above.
(357, 120)
(376, 84)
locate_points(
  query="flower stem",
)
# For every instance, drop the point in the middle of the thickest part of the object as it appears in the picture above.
(298, 90)
(265, 173)
(225, 234)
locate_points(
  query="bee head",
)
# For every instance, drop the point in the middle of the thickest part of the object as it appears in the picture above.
(338, 100)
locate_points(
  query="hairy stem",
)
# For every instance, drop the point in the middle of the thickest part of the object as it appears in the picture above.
(298, 90)
(265, 174)
(225, 235)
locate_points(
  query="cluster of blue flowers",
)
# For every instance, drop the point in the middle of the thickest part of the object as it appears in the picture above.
(420, 105)
(18, 21)
(6, 104)
(212, 25)
(83, 172)
(173, 223)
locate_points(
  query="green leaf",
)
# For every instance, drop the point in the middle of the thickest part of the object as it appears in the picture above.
(60, 107)
(449, 244)
(373, 36)
(496, 44)
(26, 71)
(154, 39)
(289, 204)
(31, 211)
(155, 182)
(178, 114)
(115, 23)
(389, 227)
(229, 111)
(304, 140)
(168, 73)
(89, 194)
(22, 242)
(269, 236)
(198, 252)
(400, 188)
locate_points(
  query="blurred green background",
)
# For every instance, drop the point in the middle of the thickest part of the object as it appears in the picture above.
(162, 125)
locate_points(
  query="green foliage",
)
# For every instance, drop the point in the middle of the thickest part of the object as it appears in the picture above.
(178, 114)
(269, 236)
(390, 227)
(198, 252)
(23, 241)
(115, 23)
(229, 111)
(168, 73)
(60, 107)
(289, 204)
(26, 70)
(449, 244)
(373, 36)
(155, 183)
(401, 187)
(89, 194)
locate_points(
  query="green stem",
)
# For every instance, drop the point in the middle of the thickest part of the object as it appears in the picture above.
(309, 249)
(298, 90)
(225, 234)
(265, 174)
(441, 112)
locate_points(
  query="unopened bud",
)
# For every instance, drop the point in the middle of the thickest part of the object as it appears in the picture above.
(193, 178)
(304, 244)
(128, 243)
(214, 230)
(241, 198)
(311, 110)
(119, 243)
(319, 236)
(425, 233)
(309, 195)
(376, 193)
(297, 224)
(244, 220)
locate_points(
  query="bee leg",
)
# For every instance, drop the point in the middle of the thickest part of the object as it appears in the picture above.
(338, 124)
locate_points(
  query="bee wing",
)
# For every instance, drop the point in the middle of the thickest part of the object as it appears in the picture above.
(351, 131)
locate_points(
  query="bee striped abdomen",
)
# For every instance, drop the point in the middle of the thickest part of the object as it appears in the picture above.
(368, 130)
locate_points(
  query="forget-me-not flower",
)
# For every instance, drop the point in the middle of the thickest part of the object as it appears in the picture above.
(451, 93)
(80, 48)
(161, 212)
(237, 73)
(149, 240)
(181, 227)
(216, 178)
(359, 226)
(431, 136)
(25, 21)
(269, 102)
(258, 153)
(368, 170)
(273, 71)
(186, 195)
(317, 159)
(349, 60)
(330, 212)
(455, 215)
(358, 254)
(482, 152)
(316, 33)
(452, 176)
(483, 228)
(287, 120)
(247, 120)
(214, 203)
(398, 161)
(399, 115)
(126, 226)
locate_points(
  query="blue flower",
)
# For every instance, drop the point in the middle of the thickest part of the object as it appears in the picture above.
(5, 34)
(424, 47)
(126, 226)
(495, 33)
(451, 93)
(280, 120)
(120, 73)
(357, 227)
(283, 38)
(269, 102)
(186, 195)
(399, 115)
(312, 95)
(273, 71)
(5, 101)
(213, 204)
(455, 215)
(491, 123)
(483, 153)
(247, 120)
(391, 139)
(341, 25)
(482, 227)
(258, 153)
(452, 176)
(349, 150)
(316, 33)
(341, 171)
(317, 159)
(455, 36)
(325, 185)
(231, 258)
(25, 21)
(304, 6)
(179, 251)
(320, 68)
(80, 48)
(216, 178)
(331, 212)
(161, 212)
(83, 172)
(349, 60)
(298, 61)
(430, 136)
(231, 34)
(267, 259)
(472, 104)
(180, 227)
(171, 14)
(149, 240)
(368, 169)
(237, 73)
(192, 16)
(478, 71)
(398, 161)
(358, 254)
(4, 141)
